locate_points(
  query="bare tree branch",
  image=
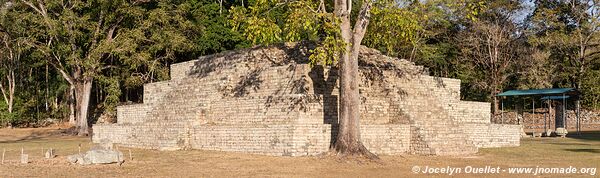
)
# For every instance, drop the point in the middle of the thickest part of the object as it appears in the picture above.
(361, 24)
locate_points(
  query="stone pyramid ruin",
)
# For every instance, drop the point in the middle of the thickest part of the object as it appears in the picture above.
(270, 100)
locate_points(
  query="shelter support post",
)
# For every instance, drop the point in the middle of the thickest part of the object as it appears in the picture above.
(564, 112)
(578, 119)
(545, 120)
(517, 114)
(502, 110)
(533, 108)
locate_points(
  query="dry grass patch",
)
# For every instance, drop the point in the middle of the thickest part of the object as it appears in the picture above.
(543, 152)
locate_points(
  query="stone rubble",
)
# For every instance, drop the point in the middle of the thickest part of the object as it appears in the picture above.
(97, 156)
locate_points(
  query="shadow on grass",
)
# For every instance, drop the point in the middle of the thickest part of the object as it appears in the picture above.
(35, 135)
(579, 144)
(585, 135)
(587, 150)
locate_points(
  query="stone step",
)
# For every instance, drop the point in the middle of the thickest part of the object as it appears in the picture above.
(433, 124)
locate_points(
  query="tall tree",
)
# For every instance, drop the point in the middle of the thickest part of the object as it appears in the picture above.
(489, 47)
(348, 139)
(569, 30)
(13, 46)
(12, 50)
(9, 56)
(79, 36)
(85, 39)
(538, 72)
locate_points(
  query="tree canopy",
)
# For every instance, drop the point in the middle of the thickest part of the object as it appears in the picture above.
(72, 60)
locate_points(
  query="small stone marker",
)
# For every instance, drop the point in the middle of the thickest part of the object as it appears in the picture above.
(24, 158)
(49, 154)
(548, 133)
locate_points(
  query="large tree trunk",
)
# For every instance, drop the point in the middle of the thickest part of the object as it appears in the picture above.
(79, 97)
(83, 90)
(348, 138)
(496, 107)
(71, 101)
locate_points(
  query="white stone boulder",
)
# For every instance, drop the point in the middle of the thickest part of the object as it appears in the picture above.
(562, 132)
(97, 156)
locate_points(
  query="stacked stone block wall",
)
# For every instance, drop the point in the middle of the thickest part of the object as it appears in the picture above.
(287, 140)
(590, 120)
(152, 135)
(268, 139)
(154, 92)
(492, 135)
(272, 102)
(133, 113)
(471, 112)
(240, 101)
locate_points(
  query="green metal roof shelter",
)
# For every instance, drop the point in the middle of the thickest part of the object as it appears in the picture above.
(548, 94)
(554, 97)
(548, 91)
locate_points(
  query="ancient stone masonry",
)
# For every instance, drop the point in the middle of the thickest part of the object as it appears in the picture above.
(590, 120)
(269, 100)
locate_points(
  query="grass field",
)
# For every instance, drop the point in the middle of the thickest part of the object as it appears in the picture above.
(580, 152)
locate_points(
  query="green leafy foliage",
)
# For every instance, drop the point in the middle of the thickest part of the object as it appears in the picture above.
(256, 23)
(125, 44)
(215, 34)
(393, 28)
(268, 22)
(591, 89)
(569, 33)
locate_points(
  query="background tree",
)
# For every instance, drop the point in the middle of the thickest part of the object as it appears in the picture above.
(489, 45)
(77, 55)
(536, 72)
(147, 36)
(11, 50)
(569, 30)
(14, 51)
(86, 39)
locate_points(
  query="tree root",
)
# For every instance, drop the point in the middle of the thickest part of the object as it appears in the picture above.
(354, 150)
